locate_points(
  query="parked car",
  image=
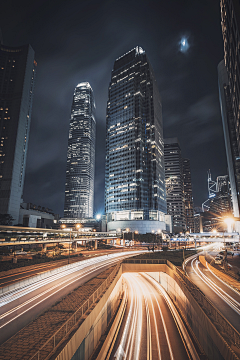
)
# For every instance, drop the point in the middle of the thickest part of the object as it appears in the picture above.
(218, 260)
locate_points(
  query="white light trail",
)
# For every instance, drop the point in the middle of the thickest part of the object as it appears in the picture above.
(230, 301)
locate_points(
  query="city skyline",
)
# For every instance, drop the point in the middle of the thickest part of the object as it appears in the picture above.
(191, 109)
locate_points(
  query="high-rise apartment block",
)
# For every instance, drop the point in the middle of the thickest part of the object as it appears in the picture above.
(134, 178)
(79, 186)
(174, 183)
(188, 197)
(17, 76)
(229, 89)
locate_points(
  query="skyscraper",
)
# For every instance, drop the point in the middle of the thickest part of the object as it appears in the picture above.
(17, 77)
(188, 197)
(229, 88)
(79, 186)
(230, 136)
(134, 177)
(174, 183)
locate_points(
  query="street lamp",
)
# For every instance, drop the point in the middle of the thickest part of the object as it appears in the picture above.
(229, 221)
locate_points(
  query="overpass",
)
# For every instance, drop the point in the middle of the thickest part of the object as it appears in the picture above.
(208, 237)
(14, 235)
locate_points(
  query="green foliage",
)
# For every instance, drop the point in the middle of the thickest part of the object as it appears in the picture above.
(6, 219)
(8, 265)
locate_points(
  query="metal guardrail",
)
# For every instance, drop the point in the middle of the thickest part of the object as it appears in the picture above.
(145, 261)
(48, 348)
(227, 331)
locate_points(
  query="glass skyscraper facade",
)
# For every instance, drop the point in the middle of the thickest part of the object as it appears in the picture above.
(79, 186)
(229, 90)
(174, 183)
(188, 196)
(134, 177)
(17, 78)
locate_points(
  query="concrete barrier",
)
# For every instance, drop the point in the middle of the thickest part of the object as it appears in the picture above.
(84, 340)
(216, 335)
(109, 342)
(41, 276)
(228, 279)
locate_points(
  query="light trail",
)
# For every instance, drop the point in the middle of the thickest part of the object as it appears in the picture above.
(229, 300)
(146, 332)
(42, 290)
(59, 287)
(14, 294)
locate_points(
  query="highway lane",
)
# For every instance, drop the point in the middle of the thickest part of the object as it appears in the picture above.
(225, 298)
(23, 273)
(150, 328)
(20, 306)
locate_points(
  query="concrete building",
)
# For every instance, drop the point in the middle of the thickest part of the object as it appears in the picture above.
(79, 186)
(17, 77)
(229, 89)
(34, 216)
(188, 197)
(218, 204)
(84, 224)
(230, 136)
(134, 177)
(174, 184)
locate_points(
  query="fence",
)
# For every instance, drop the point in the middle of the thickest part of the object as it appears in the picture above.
(145, 261)
(60, 335)
(227, 331)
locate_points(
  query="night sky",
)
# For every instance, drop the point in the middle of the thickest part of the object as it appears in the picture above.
(77, 41)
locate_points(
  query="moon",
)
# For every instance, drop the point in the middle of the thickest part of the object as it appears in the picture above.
(184, 45)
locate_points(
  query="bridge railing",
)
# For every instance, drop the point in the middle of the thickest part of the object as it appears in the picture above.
(228, 332)
(48, 348)
(145, 261)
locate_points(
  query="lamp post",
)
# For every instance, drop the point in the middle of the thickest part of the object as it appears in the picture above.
(63, 226)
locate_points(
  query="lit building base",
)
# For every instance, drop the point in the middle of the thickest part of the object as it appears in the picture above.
(141, 226)
(237, 226)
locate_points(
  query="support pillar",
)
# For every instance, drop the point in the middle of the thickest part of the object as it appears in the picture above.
(44, 247)
(96, 244)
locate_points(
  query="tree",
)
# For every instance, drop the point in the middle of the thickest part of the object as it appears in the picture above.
(6, 219)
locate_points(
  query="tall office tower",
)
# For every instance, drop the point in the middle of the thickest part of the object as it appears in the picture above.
(174, 183)
(17, 76)
(134, 177)
(79, 186)
(229, 88)
(230, 136)
(218, 205)
(188, 197)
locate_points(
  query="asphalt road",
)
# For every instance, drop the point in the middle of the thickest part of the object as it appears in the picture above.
(25, 272)
(149, 329)
(224, 298)
(19, 307)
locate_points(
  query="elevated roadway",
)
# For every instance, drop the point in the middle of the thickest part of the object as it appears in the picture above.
(224, 297)
(26, 301)
(16, 235)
